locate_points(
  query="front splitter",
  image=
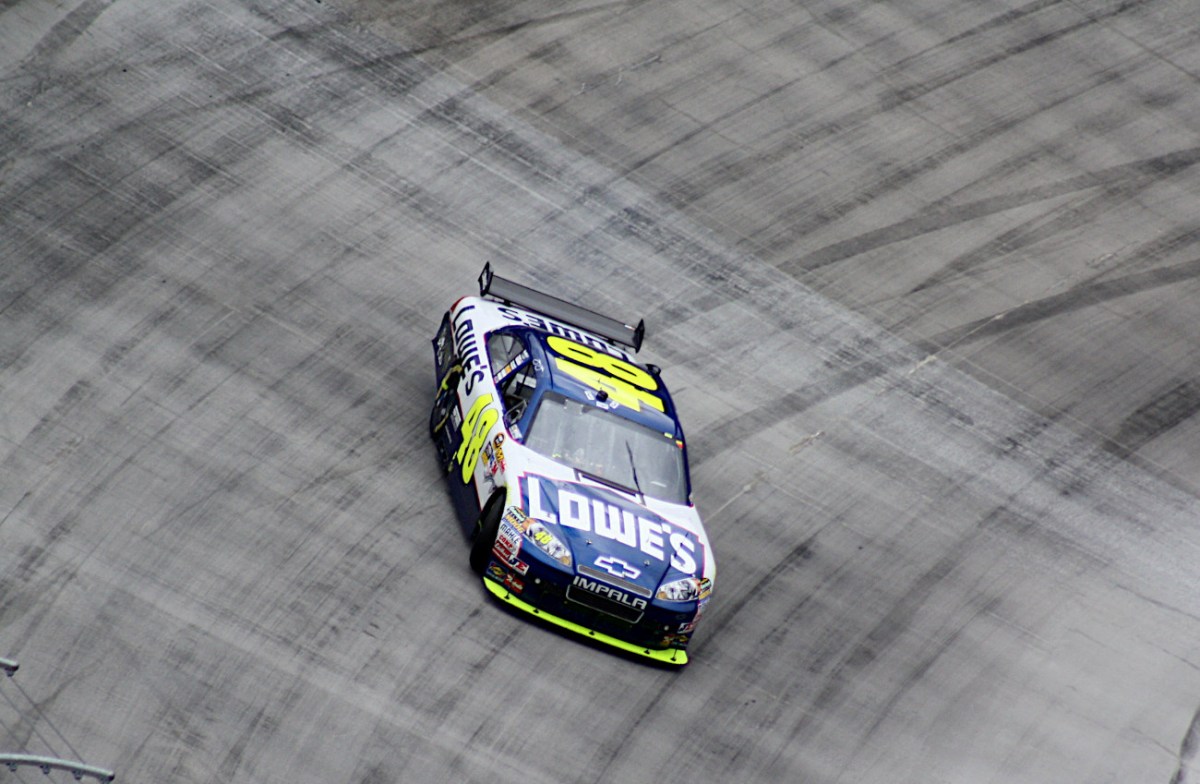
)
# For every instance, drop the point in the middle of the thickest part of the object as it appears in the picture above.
(673, 656)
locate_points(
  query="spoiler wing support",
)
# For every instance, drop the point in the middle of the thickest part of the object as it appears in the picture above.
(512, 293)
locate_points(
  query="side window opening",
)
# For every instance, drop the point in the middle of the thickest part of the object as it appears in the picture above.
(510, 365)
(503, 348)
(517, 391)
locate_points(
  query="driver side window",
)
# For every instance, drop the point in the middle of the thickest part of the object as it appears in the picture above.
(510, 365)
(503, 348)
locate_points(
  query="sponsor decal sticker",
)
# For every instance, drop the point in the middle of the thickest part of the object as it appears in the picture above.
(513, 583)
(509, 581)
(584, 508)
(555, 328)
(508, 542)
(468, 349)
(676, 641)
(498, 447)
(516, 517)
(493, 453)
(516, 362)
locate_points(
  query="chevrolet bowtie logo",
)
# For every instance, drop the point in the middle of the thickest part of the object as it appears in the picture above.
(617, 568)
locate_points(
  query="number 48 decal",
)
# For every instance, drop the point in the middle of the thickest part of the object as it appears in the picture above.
(478, 422)
(627, 384)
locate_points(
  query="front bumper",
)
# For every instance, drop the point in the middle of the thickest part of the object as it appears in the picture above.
(675, 656)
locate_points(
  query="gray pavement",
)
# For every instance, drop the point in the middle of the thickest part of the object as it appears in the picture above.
(921, 275)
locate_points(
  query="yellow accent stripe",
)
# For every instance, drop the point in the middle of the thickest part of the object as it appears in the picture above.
(667, 656)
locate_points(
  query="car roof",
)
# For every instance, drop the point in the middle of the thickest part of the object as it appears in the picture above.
(554, 373)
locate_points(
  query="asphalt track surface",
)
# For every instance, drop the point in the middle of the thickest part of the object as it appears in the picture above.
(922, 276)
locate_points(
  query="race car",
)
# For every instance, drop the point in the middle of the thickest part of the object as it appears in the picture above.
(568, 469)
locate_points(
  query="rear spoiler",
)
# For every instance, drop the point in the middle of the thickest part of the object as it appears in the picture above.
(587, 320)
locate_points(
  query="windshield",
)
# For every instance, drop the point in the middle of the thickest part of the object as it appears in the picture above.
(610, 447)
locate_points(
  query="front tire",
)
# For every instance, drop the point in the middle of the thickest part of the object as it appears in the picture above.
(486, 531)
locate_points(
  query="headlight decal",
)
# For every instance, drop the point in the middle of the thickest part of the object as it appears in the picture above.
(689, 589)
(685, 590)
(548, 542)
(538, 533)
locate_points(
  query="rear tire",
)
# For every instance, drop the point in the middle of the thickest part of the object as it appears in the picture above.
(485, 536)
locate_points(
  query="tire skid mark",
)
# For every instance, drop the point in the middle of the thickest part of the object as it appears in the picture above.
(862, 653)
(1055, 222)
(1166, 411)
(35, 559)
(34, 85)
(750, 166)
(1074, 299)
(170, 111)
(74, 167)
(744, 166)
(916, 675)
(1025, 45)
(1073, 469)
(998, 22)
(996, 179)
(1089, 455)
(761, 419)
(464, 127)
(236, 755)
(552, 53)
(150, 128)
(64, 32)
(105, 170)
(730, 611)
(612, 750)
(61, 264)
(1136, 175)
(850, 659)
(804, 217)
(450, 39)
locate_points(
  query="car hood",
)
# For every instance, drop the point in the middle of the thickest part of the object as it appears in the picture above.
(615, 538)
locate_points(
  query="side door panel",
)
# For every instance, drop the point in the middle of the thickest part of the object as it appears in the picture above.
(465, 416)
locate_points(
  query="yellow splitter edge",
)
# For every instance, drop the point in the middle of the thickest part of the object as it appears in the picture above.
(667, 656)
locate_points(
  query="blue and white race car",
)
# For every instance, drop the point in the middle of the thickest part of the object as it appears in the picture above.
(568, 468)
